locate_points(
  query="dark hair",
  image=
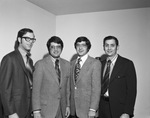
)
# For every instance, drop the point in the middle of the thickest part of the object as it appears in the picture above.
(82, 38)
(24, 31)
(55, 39)
(109, 38)
(20, 34)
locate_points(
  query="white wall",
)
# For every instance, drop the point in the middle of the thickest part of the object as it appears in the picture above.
(131, 27)
(17, 14)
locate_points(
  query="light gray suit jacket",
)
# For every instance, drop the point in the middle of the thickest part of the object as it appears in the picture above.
(47, 91)
(85, 92)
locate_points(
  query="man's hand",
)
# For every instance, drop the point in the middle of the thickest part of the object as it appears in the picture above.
(15, 115)
(67, 112)
(37, 115)
(91, 114)
(124, 116)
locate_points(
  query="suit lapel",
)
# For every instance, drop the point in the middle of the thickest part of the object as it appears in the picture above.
(26, 71)
(21, 62)
(62, 65)
(84, 68)
(116, 68)
(50, 66)
(103, 66)
(73, 70)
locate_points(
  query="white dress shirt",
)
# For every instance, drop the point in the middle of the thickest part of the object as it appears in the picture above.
(113, 61)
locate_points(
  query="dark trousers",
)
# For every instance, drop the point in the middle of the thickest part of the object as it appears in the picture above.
(104, 108)
(73, 116)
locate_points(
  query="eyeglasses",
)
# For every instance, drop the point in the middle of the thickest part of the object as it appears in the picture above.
(81, 45)
(28, 39)
(55, 47)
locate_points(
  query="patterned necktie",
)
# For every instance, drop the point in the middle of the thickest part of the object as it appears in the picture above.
(28, 67)
(105, 80)
(77, 69)
(57, 69)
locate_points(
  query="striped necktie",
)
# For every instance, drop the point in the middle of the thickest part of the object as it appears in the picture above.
(29, 69)
(105, 80)
(57, 69)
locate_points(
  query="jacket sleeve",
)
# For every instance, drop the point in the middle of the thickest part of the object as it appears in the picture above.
(96, 85)
(37, 81)
(7, 71)
(68, 87)
(131, 88)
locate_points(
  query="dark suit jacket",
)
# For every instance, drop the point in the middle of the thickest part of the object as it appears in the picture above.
(14, 83)
(1, 108)
(122, 87)
(85, 92)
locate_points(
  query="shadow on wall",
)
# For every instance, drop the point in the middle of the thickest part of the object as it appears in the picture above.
(102, 57)
(74, 57)
(45, 55)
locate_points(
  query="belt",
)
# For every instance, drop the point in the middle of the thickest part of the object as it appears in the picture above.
(105, 98)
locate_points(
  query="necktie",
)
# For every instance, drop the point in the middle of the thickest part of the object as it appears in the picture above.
(57, 69)
(28, 62)
(105, 80)
(28, 67)
(77, 69)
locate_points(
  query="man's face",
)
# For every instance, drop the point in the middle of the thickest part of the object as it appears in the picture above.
(27, 40)
(55, 50)
(110, 48)
(81, 48)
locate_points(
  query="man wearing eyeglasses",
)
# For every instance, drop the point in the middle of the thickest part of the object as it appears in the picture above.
(51, 83)
(85, 81)
(16, 77)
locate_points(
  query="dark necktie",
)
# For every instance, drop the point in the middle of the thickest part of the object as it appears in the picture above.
(77, 69)
(57, 69)
(29, 69)
(105, 80)
(28, 62)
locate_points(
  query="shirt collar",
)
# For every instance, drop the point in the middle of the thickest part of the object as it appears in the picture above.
(54, 59)
(23, 52)
(83, 58)
(113, 60)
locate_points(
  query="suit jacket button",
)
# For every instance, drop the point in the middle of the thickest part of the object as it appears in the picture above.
(75, 87)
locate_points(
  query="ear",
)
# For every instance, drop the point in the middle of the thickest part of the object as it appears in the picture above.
(19, 39)
(118, 47)
(103, 47)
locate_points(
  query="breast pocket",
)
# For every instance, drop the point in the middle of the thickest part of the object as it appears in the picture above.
(120, 76)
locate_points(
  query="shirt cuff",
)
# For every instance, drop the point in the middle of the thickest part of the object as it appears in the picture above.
(37, 111)
(93, 110)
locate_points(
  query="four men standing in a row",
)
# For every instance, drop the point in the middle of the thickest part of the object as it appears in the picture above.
(83, 88)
